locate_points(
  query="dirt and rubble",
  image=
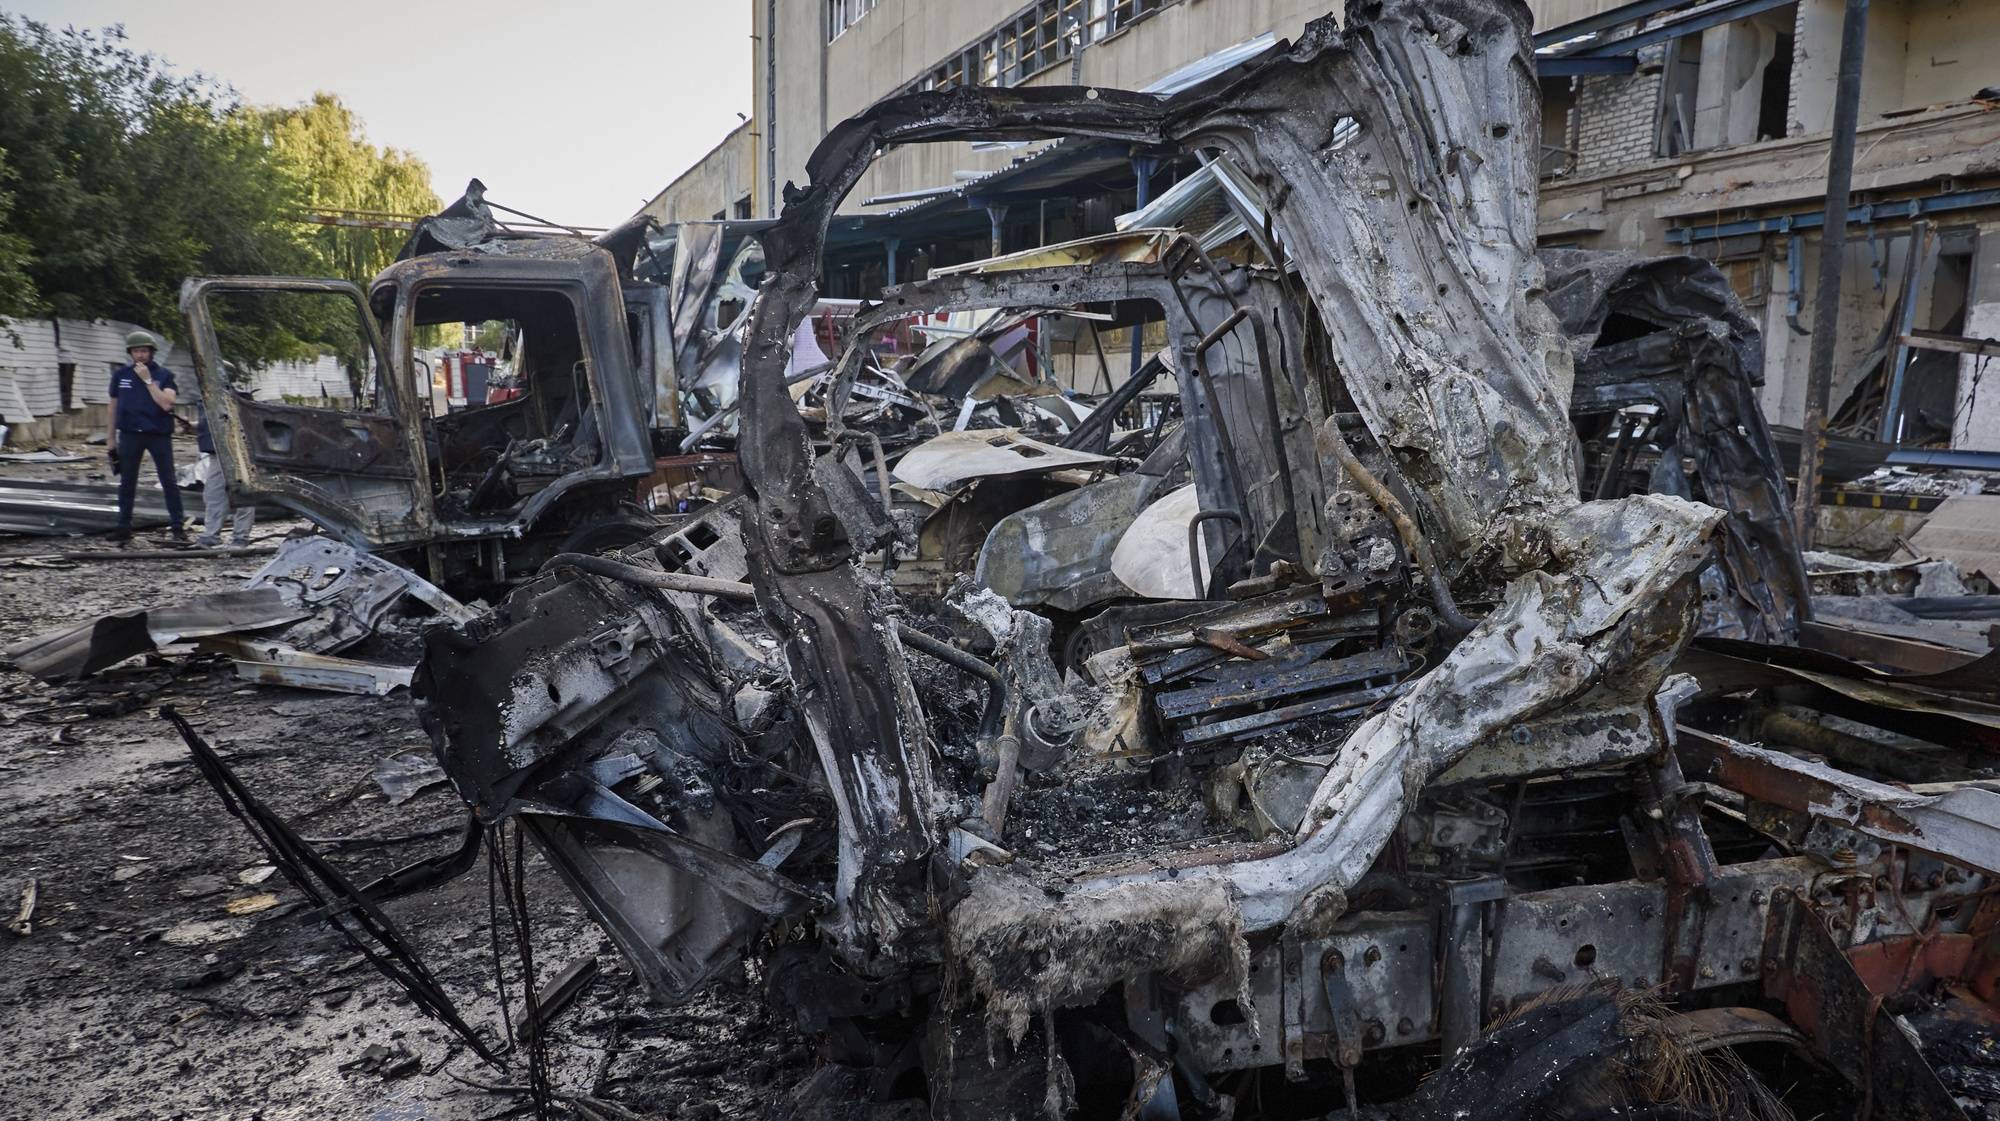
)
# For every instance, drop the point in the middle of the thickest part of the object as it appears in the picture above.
(169, 972)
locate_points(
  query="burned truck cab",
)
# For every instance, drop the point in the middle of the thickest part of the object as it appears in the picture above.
(578, 413)
(477, 487)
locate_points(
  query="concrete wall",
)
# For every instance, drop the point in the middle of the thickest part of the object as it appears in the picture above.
(1919, 53)
(1137, 56)
(819, 83)
(787, 85)
(1950, 50)
(1864, 310)
(713, 185)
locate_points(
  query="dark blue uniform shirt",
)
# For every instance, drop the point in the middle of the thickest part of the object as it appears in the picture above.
(136, 410)
(203, 439)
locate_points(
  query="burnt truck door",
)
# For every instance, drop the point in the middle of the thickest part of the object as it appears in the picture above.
(323, 430)
(649, 317)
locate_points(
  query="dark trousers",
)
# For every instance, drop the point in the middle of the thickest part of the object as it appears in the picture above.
(132, 446)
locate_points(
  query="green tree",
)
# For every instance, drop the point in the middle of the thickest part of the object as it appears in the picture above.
(17, 288)
(126, 178)
(325, 152)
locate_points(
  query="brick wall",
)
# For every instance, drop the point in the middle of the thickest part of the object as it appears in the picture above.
(1617, 116)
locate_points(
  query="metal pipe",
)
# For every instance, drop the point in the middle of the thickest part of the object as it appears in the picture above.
(1462, 961)
(1084, 435)
(1334, 443)
(882, 475)
(771, 108)
(1916, 263)
(1142, 188)
(1225, 447)
(1194, 544)
(652, 578)
(1833, 239)
(949, 654)
(990, 721)
(1615, 464)
(1006, 773)
(1223, 328)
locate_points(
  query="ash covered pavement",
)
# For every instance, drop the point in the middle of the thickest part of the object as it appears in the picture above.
(167, 970)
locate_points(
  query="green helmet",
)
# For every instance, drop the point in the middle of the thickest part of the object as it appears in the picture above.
(137, 339)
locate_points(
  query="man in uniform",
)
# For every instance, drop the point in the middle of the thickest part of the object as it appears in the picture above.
(142, 424)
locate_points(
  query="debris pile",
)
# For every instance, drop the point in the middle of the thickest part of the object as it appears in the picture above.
(316, 597)
(1432, 681)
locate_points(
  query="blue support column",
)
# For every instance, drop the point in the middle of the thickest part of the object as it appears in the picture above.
(996, 215)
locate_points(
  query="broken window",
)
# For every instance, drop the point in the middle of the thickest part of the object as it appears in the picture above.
(328, 361)
(1900, 385)
(1728, 85)
(534, 420)
(1680, 82)
(1558, 109)
(1035, 39)
(843, 14)
(1774, 91)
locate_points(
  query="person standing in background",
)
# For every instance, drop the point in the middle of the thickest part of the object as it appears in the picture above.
(215, 494)
(142, 423)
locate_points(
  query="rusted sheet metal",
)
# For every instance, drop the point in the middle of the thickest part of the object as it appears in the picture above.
(1961, 824)
(1916, 962)
(1955, 707)
(1855, 641)
(1847, 1025)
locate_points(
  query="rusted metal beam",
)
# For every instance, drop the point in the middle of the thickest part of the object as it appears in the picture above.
(1833, 239)
(1907, 654)
(1951, 344)
(1959, 824)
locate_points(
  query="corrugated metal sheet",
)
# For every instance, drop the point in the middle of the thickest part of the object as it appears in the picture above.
(322, 377)
(28, 377)
(13, 406)
(98, 347)
(30, 373)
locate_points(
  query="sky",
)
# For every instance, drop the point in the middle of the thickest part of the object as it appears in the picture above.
(578, 111)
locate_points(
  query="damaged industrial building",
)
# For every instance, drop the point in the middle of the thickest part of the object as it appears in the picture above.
(1401, 684)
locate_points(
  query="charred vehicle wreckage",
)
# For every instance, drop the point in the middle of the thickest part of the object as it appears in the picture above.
(1412, 721)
